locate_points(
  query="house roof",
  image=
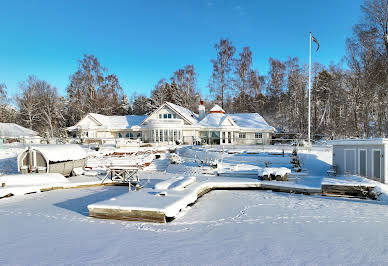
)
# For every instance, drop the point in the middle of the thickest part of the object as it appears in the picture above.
(186, 113)
(251, 121)
(215, 120)
(112, 122)
(14, 130)
(217, 109)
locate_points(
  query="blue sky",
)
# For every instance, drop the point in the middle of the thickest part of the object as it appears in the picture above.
(144, 41)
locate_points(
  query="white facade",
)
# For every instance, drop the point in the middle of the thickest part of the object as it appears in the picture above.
(171, 123)
(363, 157)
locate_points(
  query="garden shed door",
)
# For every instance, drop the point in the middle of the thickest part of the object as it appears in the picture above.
(350, 161)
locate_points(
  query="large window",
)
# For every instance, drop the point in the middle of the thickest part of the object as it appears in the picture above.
(242, 135)
(170, 135)
(165, 135)
(258, 135)
(215, 138)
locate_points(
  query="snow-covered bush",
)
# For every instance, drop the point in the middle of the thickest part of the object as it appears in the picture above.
(175, 159)
(295, 161)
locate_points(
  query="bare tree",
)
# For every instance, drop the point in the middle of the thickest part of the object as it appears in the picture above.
(7, 113)
(376, 19)
(186, 82)
(40, 107)
(28, 102)
(50, 108)
(220, 82)
(91, 89)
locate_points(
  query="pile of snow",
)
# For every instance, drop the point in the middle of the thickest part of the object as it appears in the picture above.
(163, 185)
(183, 183)
(128, 143)
(32, 179)
(175, 159)
(275, 171)
(348, 181)
(78, 171)
(134, 160)
(236, 151)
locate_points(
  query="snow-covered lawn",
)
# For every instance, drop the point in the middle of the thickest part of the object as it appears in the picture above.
(222, 227)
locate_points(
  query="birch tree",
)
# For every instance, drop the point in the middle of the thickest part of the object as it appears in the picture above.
(220, 82)
(28, 102)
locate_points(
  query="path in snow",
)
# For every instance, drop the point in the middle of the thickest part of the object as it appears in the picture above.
(238, 227)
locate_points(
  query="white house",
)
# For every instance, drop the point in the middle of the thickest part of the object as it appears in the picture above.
(171, 123)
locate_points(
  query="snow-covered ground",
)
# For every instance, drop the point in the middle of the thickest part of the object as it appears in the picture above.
(223, 227)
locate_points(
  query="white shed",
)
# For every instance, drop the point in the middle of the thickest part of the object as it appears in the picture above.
(61, 158)
(364, 157)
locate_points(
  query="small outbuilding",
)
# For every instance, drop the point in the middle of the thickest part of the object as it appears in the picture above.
(363, 157)
(62, 159)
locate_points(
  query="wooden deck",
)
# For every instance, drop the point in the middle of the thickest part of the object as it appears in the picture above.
(351, 191)
(152, 213)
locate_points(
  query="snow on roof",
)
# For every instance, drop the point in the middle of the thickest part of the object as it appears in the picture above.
(61, 152)
(14, 130)
(213, 120)
(118, 122)
(217, 109)
(252, 121)
(374, 141)
(186, 113)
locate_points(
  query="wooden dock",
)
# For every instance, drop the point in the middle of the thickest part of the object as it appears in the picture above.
(149, 205)
(350, 191)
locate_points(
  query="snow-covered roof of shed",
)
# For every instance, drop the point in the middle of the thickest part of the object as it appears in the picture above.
(186, 113)
(214, 120)
(374, 141)
(61, 152)
(252, 121)
(14, 130)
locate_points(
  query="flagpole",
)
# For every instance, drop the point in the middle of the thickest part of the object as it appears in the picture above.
(309, 104)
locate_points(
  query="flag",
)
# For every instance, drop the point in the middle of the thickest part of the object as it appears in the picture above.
(316, 41)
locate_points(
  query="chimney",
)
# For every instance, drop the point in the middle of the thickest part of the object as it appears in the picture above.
(201, 110)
